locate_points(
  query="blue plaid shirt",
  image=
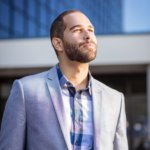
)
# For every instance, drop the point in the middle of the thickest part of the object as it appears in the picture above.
(79, 109)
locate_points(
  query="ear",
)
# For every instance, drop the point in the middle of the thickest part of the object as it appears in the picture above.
(57, 43)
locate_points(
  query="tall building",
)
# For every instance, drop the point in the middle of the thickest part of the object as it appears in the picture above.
(32, 18)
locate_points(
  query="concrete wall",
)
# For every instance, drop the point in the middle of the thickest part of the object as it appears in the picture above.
(112, 50)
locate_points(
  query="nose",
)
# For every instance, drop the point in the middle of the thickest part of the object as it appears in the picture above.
(87, 35)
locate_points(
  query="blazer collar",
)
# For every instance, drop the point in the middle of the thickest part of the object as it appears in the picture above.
(97, 112)
(56, 97)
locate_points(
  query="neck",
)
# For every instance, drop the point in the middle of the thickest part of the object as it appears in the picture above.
(76, 73)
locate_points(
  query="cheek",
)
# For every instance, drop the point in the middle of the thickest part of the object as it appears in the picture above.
(71, 39)
(94, 39)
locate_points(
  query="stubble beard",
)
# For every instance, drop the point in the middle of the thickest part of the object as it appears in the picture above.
(75, 53)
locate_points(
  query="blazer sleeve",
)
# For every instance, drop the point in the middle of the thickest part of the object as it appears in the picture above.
(120, 141)
(12, 133)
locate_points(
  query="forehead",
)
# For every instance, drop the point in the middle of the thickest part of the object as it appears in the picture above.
(76, 18)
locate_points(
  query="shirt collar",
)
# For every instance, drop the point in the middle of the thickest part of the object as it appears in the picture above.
(64, 82)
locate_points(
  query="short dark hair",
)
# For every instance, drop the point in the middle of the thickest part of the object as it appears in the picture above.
(58, 26)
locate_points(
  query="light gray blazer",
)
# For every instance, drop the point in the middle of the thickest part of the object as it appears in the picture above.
(34, 117)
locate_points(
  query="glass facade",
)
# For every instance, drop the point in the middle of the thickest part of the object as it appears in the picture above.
(32, 18)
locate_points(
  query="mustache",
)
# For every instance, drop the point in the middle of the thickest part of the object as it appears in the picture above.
(87, 42)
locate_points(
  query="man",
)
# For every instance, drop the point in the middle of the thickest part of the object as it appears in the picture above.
(65, 108)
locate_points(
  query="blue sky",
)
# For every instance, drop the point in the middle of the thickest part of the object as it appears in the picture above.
(136, 15)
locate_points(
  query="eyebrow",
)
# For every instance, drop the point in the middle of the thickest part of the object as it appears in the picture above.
(76, 26)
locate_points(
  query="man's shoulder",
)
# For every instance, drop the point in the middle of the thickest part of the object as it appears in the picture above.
(33, 77)
(36, 78)
(105, 88)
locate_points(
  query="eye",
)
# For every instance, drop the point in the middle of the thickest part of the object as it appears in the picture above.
(77, 30)
(91, 30)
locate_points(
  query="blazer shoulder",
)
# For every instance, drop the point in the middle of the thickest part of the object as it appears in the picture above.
(34, 77)
(30, 85)
(39, 76)
(38, 80)
(105, 88)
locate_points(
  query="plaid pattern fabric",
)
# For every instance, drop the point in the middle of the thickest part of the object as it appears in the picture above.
(80, 110)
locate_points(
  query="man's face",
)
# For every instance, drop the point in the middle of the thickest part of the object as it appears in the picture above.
(79, 40)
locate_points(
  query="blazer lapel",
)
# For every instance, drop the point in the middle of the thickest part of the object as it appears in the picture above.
(56, 97)
(97, 113)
